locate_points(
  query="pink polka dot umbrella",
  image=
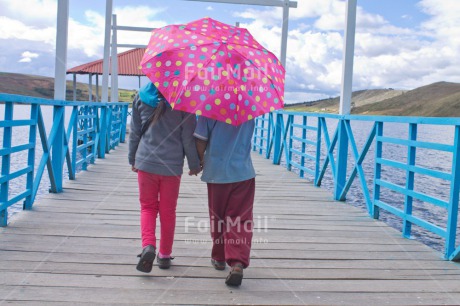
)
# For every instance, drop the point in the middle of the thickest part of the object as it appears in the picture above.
(215, 70)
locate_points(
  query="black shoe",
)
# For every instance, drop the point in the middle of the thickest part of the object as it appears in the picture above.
(218, 265)
(236, 275)
(146, 259)
(164, 263)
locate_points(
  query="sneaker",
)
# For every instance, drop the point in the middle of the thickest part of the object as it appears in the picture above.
(218, 265)
(146, 259)
(235, 277)
(164, 263)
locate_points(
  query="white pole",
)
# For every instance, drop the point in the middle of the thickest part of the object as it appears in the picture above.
(97, 87)
(75, 87)
(284, 32)
(90, 88)
(105, 64)
(114, 74)
(61, 49)
(348, 55)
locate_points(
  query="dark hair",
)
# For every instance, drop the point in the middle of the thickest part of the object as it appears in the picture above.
(159, 110)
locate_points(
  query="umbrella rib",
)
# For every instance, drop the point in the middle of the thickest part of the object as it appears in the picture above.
(209, 60)
(265, 74)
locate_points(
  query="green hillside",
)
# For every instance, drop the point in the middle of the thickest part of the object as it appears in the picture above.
(436, 100)
(440, 99)
(43, 87)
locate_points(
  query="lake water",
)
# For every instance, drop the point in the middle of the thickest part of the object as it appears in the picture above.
(436, 160)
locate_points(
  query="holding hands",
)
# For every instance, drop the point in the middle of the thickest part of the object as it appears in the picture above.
(196, 171)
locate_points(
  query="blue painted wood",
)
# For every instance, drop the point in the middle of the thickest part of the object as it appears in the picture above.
(72, 130)
(59, 136)
(289, 150)
(358, 169)
(415, 169)
(269, 136)
(11, 123)
(330, 145)
(318, 152)
(285, 130)
(262, 137)
(31, 157)
(103, 133)
(414, 194)
(378, 169)
(452, 209)
(6, 160)
(412, 219)
(277, 139)
(342, 161)
(58, 148)
(408, 199)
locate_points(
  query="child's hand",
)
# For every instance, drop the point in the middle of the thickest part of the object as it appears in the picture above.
(133, 169)
(194, 172)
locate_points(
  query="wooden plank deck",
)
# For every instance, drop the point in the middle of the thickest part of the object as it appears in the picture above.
(80, 247)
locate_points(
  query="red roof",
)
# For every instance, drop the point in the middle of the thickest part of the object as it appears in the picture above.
(128, 64)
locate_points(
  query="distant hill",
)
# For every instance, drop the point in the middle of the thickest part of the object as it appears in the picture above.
(440, 99)
(43, 87)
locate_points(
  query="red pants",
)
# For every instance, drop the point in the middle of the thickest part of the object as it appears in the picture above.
(158, 194)
(231, 220)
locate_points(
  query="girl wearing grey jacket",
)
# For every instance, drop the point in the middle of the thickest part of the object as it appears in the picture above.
(160, 138)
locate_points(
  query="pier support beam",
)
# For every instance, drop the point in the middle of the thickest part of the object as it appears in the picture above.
(348, 55)
(105, 63)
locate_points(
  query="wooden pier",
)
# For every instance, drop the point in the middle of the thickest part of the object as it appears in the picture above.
(79, 247)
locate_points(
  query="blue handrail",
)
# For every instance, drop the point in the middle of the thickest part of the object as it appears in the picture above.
(299, 137)
(94, 129)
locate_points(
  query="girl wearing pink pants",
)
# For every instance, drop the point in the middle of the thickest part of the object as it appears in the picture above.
(160, 138)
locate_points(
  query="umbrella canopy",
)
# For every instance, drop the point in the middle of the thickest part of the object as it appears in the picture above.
(215, 70)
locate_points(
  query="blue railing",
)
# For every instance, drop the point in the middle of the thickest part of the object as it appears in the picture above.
(92, 131)
(306, 143)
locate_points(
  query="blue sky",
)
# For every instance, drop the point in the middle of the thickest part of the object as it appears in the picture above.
(399, 43)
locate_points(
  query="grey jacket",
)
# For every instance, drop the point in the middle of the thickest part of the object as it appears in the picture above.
(162, 148)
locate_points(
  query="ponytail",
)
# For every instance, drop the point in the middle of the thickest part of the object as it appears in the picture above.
(159, 111)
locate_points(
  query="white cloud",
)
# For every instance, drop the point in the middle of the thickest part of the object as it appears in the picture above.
(209, 8)
(444, 23)
(385, 55)
(41, 13)
(27, 57)
(11, 28)
(31, 25)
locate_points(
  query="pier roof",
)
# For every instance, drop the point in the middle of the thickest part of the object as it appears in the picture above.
(128, 63)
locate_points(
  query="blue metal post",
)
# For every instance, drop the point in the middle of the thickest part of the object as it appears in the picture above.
(304, 137)
(254, 138)
(318, 153)
(31, 157)
(411, 154)
(84, 152)
(289, 147)
(454, 197)
(261, 143)
(74, 142)
(93, 112)
(103, 131)
(58, 148)
(7, 133)
(378, 169)
(269, 135)
(342, 159)
(277, 139)
(124, 122)
(108, 144)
